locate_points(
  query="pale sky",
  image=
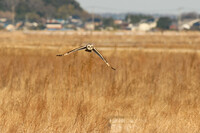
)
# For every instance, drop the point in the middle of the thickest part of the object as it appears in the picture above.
(141, 6)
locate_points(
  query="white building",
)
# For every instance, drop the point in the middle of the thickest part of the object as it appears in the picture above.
(131, 27)
(54, 26)
(89, 26)
(10, 27)
(187, 24)
(147, 25)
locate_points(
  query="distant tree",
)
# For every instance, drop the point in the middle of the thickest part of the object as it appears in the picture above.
(164, 23)
(58, 3)
(108, 22)
(63, 12)
(33, 17)
(66, 10)
(49, 11)
(2, 7)
(11, 5)
(36, 5)
(21, 10)
(136, 18)
(189, 15)
(6, 14)
(43, 8)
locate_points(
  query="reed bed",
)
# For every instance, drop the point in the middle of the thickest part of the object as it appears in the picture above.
(40, 92)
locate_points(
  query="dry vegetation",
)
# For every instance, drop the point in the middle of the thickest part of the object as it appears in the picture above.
(40, 92)
(120, 39)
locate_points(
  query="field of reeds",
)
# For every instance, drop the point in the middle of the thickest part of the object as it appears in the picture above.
(43, 93)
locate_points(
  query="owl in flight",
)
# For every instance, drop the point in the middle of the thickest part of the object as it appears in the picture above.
(88, 48)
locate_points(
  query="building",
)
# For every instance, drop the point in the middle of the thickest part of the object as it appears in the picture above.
(147, 25)
(118, 22)
(3, 23)
(95, 21)
(131, 27)
(10, 27)
(54, 26)
(189, 24)
(89, 26)
(75, 19)
(173, 26)
(196, 26)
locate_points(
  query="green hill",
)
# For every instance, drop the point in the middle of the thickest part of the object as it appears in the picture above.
(38, 9)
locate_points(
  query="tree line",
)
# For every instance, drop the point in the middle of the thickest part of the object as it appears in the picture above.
(35, 10)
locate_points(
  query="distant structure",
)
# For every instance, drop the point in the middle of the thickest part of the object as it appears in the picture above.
(91, 23)
(144, 25)
(147, 25)
(54, 26)
(193, 24)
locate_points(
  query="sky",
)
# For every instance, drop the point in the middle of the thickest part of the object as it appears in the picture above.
(141, 6)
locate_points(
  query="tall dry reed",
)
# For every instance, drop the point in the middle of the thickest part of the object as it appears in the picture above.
(40, 92)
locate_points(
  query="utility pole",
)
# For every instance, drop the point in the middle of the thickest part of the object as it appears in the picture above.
(13, 14)
(179, 18)
(12, 4)
(93, 18)
(26, 22)
(92, 25)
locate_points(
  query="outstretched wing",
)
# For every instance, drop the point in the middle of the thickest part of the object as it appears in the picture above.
(101, 56)
(74, 50)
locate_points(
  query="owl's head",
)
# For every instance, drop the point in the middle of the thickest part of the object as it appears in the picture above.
(90, 46)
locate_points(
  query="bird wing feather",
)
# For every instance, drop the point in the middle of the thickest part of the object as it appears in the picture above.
(101, 56)
(74, 50)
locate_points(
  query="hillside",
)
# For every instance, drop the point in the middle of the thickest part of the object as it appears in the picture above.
(38, 9)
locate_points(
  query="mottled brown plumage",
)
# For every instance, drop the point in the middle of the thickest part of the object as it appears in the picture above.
(88, 48)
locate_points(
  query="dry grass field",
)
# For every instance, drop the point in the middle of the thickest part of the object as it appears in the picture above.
(42, 93)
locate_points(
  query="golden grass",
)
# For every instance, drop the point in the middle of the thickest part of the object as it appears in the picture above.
(40, 92)
(122, 39)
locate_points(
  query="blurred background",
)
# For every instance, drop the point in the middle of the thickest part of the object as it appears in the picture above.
(129, 15)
